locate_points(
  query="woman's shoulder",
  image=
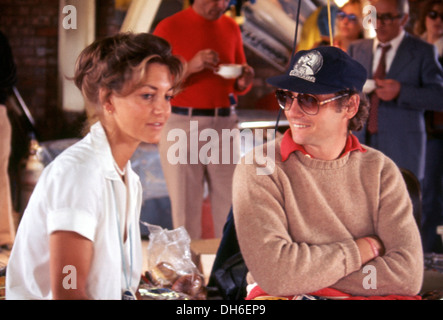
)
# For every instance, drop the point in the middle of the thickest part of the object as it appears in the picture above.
(77, 162)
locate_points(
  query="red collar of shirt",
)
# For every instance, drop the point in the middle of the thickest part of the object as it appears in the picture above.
(288, 146)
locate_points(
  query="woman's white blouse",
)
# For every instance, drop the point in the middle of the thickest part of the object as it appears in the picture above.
(80, 191)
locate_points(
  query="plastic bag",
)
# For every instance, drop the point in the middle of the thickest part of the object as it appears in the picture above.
(170, 246)
(170, 262)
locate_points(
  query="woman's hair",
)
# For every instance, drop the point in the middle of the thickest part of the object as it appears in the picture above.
(420, 26)
(118, 64)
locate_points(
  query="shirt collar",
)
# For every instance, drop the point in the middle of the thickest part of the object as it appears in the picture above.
(395, 43)
(288, 146)
(103, 150)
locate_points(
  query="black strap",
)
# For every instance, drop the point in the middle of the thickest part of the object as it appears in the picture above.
(221, 112)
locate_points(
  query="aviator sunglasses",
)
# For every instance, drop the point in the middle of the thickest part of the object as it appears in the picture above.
(434, 14)
(308, 103)
(351, 17)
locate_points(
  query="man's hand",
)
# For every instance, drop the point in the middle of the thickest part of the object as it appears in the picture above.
(245, 79)
(370, 247)
(204, 59)
(387, 89)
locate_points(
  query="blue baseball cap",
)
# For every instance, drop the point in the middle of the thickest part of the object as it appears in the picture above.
(322, 70)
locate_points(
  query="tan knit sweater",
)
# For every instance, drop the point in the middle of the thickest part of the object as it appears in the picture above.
(296, 227)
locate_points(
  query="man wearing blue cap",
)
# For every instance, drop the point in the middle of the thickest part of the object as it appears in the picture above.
(334, 217)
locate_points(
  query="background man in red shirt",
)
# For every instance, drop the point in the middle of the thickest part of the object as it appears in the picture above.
(204, 37)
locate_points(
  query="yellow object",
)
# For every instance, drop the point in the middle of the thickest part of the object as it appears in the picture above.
(310, 34)
(122, 5)
(331, 40)
(2, 288)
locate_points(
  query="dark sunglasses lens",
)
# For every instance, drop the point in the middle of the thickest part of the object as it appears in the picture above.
(385, 18)
(308, 103)
(341, 15)
(434, 14)
(282, 99)
(352, 17)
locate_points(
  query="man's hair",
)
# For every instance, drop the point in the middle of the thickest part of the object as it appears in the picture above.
(358, 121)
(403, 6)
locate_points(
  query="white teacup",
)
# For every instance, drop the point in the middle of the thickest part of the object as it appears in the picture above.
(229, 71)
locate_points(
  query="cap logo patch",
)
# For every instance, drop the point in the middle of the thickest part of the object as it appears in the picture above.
(307, 66)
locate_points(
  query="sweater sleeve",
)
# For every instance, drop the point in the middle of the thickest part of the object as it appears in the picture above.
(400, 270)
(278, 264)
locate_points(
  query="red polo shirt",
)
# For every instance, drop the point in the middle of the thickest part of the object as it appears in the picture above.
(288, 146)
(188, 33)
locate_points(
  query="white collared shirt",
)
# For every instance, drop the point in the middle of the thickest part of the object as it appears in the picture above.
(390, 54)
(80, 191)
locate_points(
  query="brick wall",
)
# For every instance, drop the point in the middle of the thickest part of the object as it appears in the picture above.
(109, 19)
(32, 29)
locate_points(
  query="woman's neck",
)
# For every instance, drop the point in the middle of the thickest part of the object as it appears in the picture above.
(122, 154)
(121, 149)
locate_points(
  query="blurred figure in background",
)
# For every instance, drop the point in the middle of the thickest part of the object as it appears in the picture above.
(349, 25)
(315, 30)
(430, 29)
(204, 37)
(346, 23)
(405, 79)
(7, 81)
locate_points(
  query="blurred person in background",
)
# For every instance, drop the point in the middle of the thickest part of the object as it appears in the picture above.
(7, 81)
(349, 26)
(405, 79)
(204, 37)
(430, 28)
